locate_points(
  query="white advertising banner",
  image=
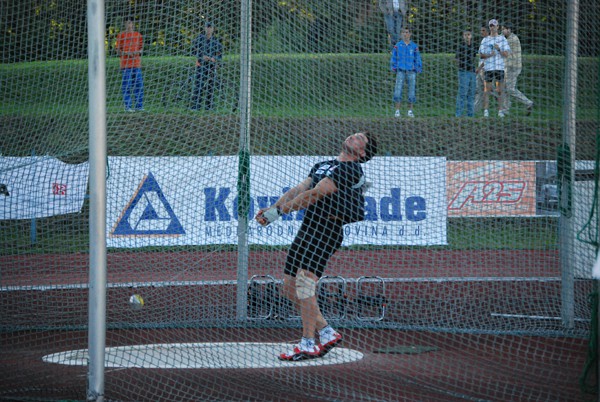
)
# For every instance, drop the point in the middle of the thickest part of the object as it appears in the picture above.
(38, 187)
(169, 201)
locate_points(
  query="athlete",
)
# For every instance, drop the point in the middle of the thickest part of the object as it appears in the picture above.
(332, 196)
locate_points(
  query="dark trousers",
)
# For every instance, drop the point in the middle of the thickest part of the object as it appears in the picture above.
(316, 241)
(204, 88)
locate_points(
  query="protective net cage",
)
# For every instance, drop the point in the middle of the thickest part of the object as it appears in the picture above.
(470, 277)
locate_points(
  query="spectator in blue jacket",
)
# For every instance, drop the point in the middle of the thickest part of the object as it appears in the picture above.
(406, 63)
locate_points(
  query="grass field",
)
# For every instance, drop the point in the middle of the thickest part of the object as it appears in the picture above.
(289, 85)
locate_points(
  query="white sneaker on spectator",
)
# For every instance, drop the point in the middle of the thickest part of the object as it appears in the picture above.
(397, 114)
(486, 113)
(500, 113)
(411, 114)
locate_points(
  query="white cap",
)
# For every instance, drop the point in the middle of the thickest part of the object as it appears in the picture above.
(493, 22)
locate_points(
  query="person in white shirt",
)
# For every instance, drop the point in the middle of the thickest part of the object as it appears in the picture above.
(493, 50)
(513, 69)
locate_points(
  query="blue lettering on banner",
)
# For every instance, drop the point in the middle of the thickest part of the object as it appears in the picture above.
(215, 207)
(218, 231)
(148, 213)
(216, 204)
(391, 208)
(363, 230)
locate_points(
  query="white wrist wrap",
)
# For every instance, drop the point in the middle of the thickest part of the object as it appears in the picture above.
(272, 214)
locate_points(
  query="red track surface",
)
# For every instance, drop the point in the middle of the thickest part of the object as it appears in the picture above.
(463, 366)
(197, 266)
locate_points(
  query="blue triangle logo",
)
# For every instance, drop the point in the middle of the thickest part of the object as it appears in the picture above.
(148, 213)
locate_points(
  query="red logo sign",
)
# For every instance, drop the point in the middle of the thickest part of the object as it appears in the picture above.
(491, 188)
(59, 189)
(488, 192)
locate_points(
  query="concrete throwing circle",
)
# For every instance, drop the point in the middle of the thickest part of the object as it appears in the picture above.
(201, 355)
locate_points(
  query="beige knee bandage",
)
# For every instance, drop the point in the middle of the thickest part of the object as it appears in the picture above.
(305, 286)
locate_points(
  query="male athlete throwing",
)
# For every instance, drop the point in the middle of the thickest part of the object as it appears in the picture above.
(332, 195)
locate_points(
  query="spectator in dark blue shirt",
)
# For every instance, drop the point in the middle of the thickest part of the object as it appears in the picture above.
(208, 51)
(466, 53)
(406, 63)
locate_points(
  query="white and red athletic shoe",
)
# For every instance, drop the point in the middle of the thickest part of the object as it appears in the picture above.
(330, 342)
(297, 354)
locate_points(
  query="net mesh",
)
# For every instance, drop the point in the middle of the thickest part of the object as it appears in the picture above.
(451, 288)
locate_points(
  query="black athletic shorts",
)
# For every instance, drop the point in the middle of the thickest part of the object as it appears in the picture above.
(314, 244)
(494, 75)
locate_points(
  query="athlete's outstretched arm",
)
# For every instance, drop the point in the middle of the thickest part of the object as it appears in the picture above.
(294, 191)
(287, 196)
(300, 197)
(308, 197)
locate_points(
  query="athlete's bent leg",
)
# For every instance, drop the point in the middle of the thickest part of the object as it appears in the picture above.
(289, 288)
(306, 284)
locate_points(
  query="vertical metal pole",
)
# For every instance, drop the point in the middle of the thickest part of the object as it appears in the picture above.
(566, 221)
(97, 161)
(244, 159)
